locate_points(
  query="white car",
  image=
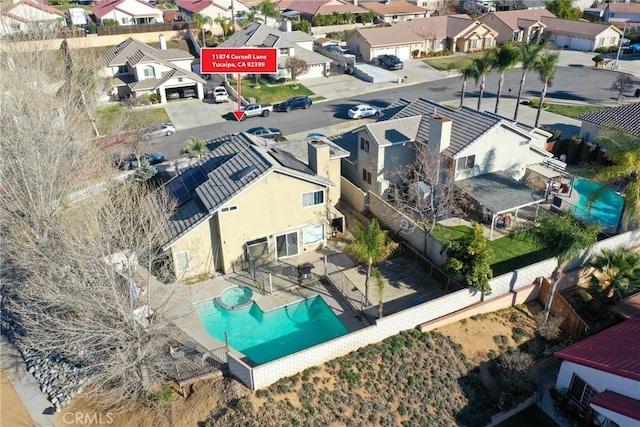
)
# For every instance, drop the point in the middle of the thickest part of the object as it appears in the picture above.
(363, 110)
(165, 129)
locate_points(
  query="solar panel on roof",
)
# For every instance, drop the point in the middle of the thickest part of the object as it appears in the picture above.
(288, 160)
(243, 173)
(193, 177)
(178, 191)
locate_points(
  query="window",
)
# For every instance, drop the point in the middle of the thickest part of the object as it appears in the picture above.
(149, 72)
(613, 41)
(123, 69)
(473, 44)
(312, 199)
(600, 42)
(465, 163)
(257, 248)
(287, 244)
(284, 51)
(125, 20)
(182, 261)
(229, 209)
(488, 42)
(366, 176)
(525, 142)
(581, 392)
(313, 234)
(364, 145)
(179, 79)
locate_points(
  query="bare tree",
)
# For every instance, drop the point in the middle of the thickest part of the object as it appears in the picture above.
(424, 190)
(71, 299)
(297, 66)
(622, 83)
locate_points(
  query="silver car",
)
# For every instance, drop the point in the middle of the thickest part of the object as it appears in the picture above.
(165, 129)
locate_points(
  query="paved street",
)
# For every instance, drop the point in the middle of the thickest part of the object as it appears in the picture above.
(576, 81)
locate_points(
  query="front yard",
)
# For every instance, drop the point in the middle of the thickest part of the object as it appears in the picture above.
(269, 94)
(452, 62)
(114, 119)
(571, 111)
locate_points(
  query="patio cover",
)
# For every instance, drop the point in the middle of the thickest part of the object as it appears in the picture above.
(628, 307)
(499, 193)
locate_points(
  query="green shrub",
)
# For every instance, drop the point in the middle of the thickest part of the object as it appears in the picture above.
(517, 334)
(154, 98)
(535, 102)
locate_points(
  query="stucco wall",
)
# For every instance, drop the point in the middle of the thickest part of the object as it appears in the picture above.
(597, 379)
(353, 195)
(199, 244)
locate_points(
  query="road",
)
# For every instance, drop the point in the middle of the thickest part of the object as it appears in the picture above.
(571, 84)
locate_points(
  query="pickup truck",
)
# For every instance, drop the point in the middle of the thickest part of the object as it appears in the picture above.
(220, 94)
(255, 110)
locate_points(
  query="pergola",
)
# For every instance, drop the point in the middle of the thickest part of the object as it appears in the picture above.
(499, 194)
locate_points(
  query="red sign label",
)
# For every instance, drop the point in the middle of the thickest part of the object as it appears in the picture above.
(220, 60)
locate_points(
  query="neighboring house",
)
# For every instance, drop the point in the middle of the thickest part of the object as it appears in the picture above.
(310, 8)
(601, 375)
(517, 25)
(474, 144)
(249, 202)
(433, 7)
(289, 44)
(138, 69)
(626, 118)
(622, 13)
(24, 16)
(213, 9)
(580, 35)
(503, 5)
(127, 12)
(391, 11)
(458, 33)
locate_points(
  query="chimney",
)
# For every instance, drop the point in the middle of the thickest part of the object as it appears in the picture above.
(163, 42)
(439, 133)
(319, 157)
(285, 26)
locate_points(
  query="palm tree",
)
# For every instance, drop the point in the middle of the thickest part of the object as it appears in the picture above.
(529, 57)
(503, 58)
(201, 21)
(482, 67)
(195, 146)
(252, 15)
(624, 155)
(546, 68)
(467, 71)
(224, 23)
(617, 272)
(267, 8)
(378, 282)
(565, 235)
(369, 245)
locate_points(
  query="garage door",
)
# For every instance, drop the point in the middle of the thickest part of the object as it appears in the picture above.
(562, 41)
(384, 51)
(580, 44)
(404, 52)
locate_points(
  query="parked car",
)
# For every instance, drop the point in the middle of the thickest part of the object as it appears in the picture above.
(219, 94)
(391, 62)
(315, 136)
(164, 129)
(189, 93)
(173, 95)
(255, 110)
(265, 132)
(130, 161)
(294, 103)
(337, 49)
(635, 48)
(363, 110)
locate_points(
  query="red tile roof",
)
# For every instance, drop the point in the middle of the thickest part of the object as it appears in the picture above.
(103, 7)
(615, 350)
(7, 7)
(197, 6)
(618, 403)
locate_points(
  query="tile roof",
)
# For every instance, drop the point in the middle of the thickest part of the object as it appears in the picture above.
(387, 36)
(578, 28)
(628, 307)
(319, 7)
(623, 7)
(37, 5)
(615, 350)
(625, 118)
(257, 34)
(393, 7)
(403, 130)
(104, 7)
(511, 17)
(197, 6)
(233, 163)
(618, 403)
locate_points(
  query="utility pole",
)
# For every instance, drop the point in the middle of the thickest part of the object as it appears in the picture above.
(615, 64)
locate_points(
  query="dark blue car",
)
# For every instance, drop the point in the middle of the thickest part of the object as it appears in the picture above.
(294, 103)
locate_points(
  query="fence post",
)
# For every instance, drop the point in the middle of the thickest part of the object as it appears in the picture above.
(270, 284)
(325, 264)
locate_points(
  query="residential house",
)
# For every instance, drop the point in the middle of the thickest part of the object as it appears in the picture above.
(580, 35)
(213, 9)
(601, 375)
(517, 25)
(473, 143)
(626, 118)
(289, 44)
(502, 5)
(127, 12)
(391, 11)
(24, 16)
(138, 69)
(307, 9)
(433, 7)
(250, 202)
(458, 33)
(622, 13)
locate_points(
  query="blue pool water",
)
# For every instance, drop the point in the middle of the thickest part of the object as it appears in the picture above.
(264, 337)
(604, 210)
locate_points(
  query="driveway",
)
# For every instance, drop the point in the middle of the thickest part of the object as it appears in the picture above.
(193, 113)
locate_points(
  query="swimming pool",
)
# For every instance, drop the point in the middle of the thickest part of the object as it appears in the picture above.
(604, 210)
(264, 337)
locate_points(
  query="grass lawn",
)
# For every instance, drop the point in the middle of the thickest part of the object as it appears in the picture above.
(269, 94)
(508, 253)
(115, 119)
(451, 62)
(66, 7)
(572, 111)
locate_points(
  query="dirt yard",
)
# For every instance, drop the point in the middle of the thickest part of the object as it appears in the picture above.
(12, 411)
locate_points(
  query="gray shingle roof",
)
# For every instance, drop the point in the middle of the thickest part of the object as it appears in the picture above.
(625, 118)
(403, 130)
(260, 35)
(233, 163)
